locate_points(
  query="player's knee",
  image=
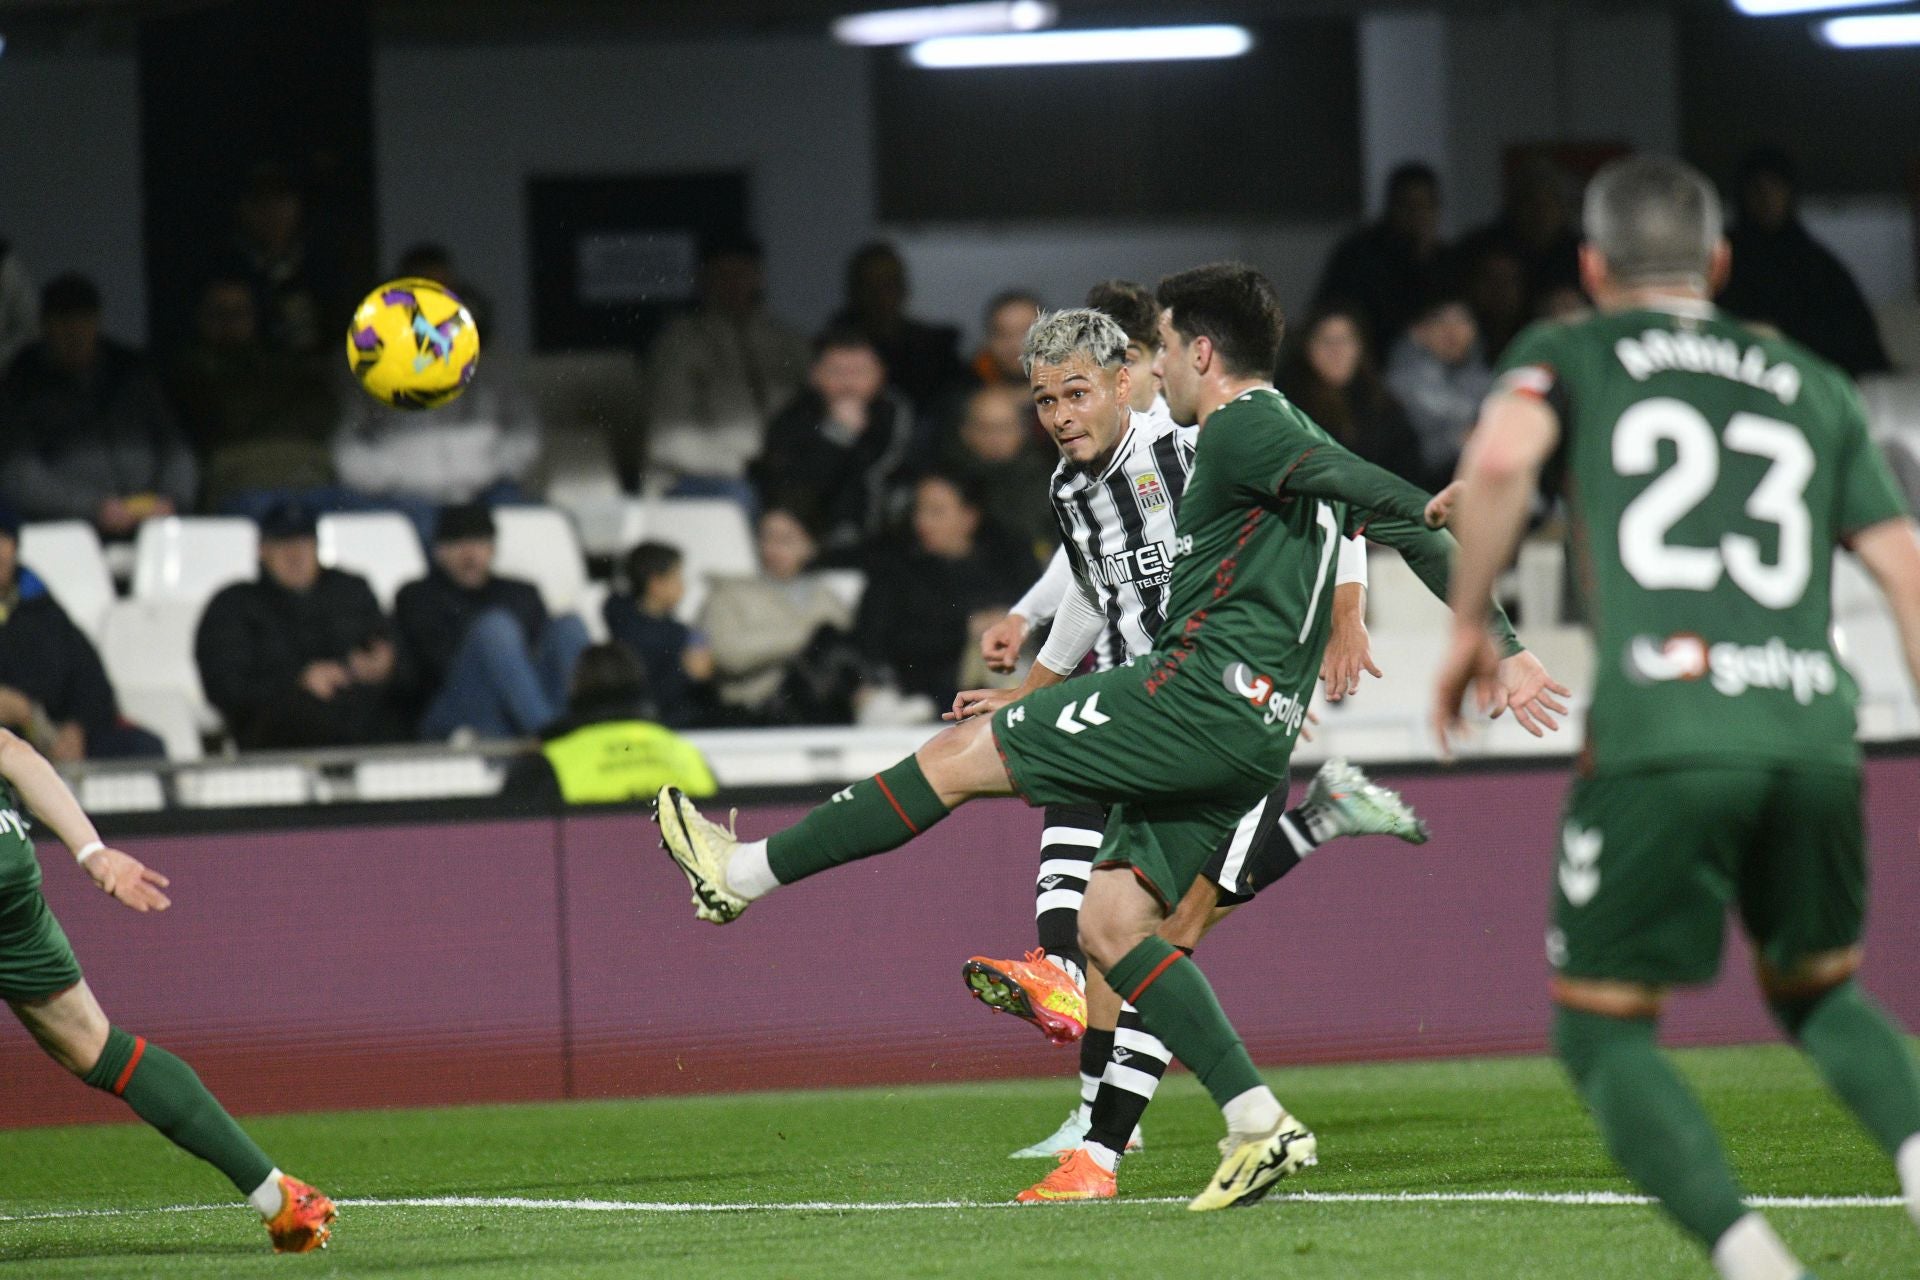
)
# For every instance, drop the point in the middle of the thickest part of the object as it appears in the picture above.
(1106, 939)
(962, 762)
(1796, 991)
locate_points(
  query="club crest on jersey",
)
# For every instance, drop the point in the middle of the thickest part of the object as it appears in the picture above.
(1150, 492)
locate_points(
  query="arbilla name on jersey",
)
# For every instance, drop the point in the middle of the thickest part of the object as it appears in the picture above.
(1733, 668)
(1285, 709)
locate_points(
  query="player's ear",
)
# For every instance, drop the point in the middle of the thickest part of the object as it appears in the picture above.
(1123, 384)
(1200, 351)
(1719, 267)
(1594, 277)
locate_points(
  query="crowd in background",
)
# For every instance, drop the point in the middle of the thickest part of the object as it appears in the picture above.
(878, 444)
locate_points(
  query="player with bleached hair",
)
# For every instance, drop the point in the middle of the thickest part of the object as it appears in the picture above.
(1709, 472)
(41, 982)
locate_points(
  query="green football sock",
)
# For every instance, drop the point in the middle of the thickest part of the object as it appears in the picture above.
(871, 816)
(1862, 1057)
(1651, 1122)
(1177, 1004)
(164, 1091)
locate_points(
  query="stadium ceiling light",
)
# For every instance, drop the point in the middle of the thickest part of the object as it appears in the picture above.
(1055, 48)
(905, 26)
(1880, 31)
(1776, 8)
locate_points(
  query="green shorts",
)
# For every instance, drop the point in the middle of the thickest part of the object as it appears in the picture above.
(1102, 739)
(35, 957)
(1649, 863)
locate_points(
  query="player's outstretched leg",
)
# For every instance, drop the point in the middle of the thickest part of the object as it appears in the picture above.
(1657, 1132)
(165, 1092)
(1865, 1061)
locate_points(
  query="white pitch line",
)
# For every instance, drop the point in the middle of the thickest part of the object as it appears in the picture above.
(1574, 1199)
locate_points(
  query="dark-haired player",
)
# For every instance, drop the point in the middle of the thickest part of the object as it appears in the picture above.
(40, 980)
(1709, 472)
(1181, 744)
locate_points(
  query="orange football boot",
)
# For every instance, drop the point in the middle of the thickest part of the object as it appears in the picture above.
(1035, 989)
(1078, 1177)
(305, 1220)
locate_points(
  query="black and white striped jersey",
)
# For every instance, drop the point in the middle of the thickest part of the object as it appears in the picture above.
(1118, 526)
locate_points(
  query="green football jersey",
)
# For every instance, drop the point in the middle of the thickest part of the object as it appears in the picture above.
(1709, 472)
(1249, 608)
(19, 868)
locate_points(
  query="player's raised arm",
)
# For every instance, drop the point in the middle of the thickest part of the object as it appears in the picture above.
(44, 793)
(1499, 474)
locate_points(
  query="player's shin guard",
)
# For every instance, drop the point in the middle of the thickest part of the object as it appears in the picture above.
(1862, 1057)
(164, 1091)
(1177, 1003)
(871, 816)
(1652, 1124)
(1133, 1072)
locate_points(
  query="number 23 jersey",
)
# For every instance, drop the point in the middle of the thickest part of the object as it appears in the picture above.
(1708, 473)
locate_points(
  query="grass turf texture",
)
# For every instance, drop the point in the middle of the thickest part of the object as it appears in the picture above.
(1450, 1127)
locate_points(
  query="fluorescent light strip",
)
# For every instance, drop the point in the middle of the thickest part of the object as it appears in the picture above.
(1056, 48)
(1882, 31)
(1776, 8)
(904, 26)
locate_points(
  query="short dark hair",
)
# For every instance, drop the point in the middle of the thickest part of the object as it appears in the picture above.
(1771, 161)
(650, 560)
(1412, 173)
(870, 252)
(1232, 306)
(1007, 297)
(841, 337)
(1132, 307)
(458, 521)
(70, 294)
(607, 677)
(969, 490)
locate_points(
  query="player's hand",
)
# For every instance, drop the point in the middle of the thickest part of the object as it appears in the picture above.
(1440, 506)
(127, 880)
(1306, 726)
(979, 702)
(1000, 643)
(1471, 662)
(1349, 652)
(1527, 688)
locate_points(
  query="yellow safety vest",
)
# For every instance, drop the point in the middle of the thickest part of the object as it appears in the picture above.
(625, 760)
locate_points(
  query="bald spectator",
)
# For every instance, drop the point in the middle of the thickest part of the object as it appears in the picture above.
(88, 434)
(996, 454)
(717, 374)
(1004, 326)
(1784, 277)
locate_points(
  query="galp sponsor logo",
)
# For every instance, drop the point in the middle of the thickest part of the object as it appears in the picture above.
(1284, 709)
(1731, 668)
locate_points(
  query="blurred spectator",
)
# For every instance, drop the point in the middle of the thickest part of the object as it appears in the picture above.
(716, 375)
(996, 454)
(1783, 277)
(1387, 268)
(431, 260)
(19, 312)
(300, 303)
(53, 690)
(762, 627)
(926, 605)
(1327, 370)
(88, 434)
(490, 660)
(1004, 326)
(606, 749)
(301, 656)
(835, 451)
(260, 420)
(1441, 378)
(1495, 289)
(1135, 310)
(922, 359)
(677, 659)
(1537, 226)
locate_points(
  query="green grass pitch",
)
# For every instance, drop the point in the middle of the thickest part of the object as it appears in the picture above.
(1448, 1129)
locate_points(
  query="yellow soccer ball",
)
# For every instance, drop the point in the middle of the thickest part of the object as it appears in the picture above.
(413, 345)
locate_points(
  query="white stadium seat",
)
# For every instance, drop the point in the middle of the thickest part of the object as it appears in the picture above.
(168, 711)
(66, 555)
(539, 545)
(149, 644)
(189, 558)
(381, 546)
(713, 535)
